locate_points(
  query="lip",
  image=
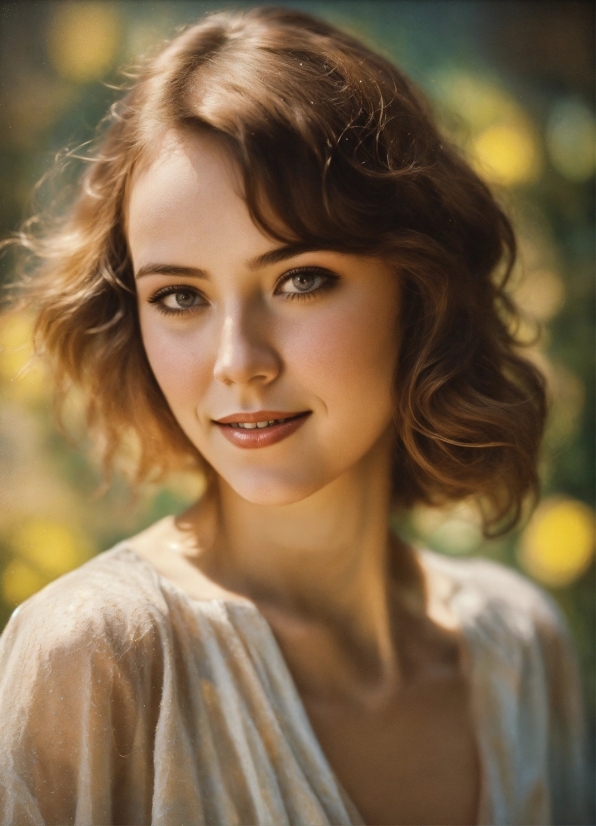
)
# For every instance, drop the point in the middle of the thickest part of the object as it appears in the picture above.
(260, 437)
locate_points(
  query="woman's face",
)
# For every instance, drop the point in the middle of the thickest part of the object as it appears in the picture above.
(236, 325)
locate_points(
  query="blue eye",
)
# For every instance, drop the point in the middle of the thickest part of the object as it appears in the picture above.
(180, 300)
(303, 282)
(175, 300)
(306, 282)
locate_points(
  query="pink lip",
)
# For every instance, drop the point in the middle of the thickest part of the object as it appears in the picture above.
(260, 437)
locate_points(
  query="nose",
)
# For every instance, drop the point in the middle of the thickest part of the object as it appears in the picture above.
(244, 355)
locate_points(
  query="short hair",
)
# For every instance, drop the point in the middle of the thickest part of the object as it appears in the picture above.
(338, 145)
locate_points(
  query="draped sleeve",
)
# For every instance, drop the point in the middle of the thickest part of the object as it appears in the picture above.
(527, 698)
(80, 681)
(567, 746)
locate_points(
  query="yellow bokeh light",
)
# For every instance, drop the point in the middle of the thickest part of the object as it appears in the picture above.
(51, 547)
(479, 101)
(24, 378)
(83, 40)
(501, 139)
(15, 338)
(558, 544)
(507, 154)
(541, 294)
(20, 580)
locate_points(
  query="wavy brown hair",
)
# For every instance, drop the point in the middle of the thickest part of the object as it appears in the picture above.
(342, 150)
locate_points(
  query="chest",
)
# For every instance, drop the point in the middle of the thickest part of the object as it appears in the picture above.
(413, 762)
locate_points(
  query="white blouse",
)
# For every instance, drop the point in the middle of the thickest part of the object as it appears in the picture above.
(125, 701)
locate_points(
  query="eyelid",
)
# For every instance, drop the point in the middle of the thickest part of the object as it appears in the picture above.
(308, 269)
(156, 299)
(330, 278)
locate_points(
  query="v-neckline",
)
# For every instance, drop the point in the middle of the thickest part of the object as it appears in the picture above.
(245, 604)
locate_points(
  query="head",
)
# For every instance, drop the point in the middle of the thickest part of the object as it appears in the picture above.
(269, 130)
(233, 322)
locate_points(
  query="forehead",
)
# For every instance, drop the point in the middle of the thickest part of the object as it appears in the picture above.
(188, 191)
(179, 164)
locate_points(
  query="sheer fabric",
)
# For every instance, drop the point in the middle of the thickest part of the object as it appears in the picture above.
(125, 701)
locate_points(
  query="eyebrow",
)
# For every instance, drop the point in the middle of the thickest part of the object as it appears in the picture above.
(266, 260)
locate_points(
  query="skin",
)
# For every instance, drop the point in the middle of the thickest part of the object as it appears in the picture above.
(300, 528)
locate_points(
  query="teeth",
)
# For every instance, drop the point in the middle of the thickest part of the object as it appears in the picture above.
(253, 425)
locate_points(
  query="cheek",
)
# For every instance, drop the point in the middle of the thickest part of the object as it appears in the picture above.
(179, 364)
(349, 357)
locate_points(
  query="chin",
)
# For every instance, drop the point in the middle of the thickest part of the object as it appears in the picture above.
(274, 488)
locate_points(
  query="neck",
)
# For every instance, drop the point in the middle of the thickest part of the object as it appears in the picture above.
(318, 567)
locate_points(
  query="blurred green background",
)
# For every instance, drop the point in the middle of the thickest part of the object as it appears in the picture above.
(513, 84)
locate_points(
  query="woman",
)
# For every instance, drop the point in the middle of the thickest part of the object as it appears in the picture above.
(277, 270)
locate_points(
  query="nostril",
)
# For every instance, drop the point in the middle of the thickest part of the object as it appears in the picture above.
(242, 359)
(246, 349)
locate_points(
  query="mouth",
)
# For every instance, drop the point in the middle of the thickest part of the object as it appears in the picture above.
(259, 429)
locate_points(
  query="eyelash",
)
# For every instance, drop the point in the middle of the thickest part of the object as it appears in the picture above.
(156, 299)
(328, 284)
(330, 279)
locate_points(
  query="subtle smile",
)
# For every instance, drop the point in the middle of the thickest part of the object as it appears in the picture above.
(261, 428)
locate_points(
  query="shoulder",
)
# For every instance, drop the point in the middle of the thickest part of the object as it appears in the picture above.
(524, 659)
(83, 664)
(518, 636)
(109, 603)
(490, 595)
